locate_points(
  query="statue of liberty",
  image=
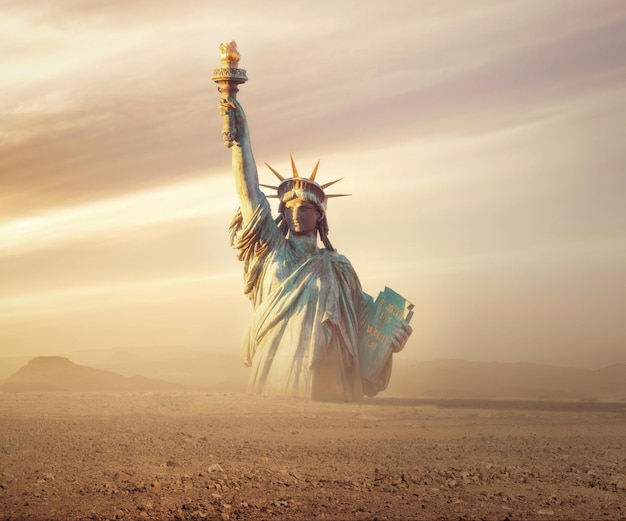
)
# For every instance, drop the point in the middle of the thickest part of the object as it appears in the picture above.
(310, 314)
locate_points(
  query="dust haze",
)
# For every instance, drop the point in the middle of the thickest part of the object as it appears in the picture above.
(482, 145)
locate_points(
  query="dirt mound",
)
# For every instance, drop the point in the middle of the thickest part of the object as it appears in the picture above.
(57, 373)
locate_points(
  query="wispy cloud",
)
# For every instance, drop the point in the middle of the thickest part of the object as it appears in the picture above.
(120, 215)
(474, 137)
(111, 294)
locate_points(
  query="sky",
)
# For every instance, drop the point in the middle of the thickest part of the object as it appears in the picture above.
(482, 143)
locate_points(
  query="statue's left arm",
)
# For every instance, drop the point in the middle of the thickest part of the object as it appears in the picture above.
(400, 334)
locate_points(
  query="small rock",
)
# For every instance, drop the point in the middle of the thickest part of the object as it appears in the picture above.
(121, 476)
(215, 467)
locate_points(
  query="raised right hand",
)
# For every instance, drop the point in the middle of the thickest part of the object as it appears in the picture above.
(232, 108)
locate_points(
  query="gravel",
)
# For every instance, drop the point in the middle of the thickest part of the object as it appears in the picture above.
(227, 457)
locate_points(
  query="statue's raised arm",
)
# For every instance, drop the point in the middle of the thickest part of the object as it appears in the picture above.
(244, 167)
(235, 130)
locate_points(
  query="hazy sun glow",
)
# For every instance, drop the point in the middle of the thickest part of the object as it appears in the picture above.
(482, 144)
(104, 295)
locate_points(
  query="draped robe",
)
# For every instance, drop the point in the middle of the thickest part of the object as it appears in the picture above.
(309, 315)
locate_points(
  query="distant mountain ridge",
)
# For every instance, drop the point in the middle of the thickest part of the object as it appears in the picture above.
(223, 372)
(57, 373)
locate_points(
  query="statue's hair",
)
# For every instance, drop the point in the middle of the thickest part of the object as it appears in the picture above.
(322, 224)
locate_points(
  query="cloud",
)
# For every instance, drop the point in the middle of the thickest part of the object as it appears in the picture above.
(481, 143)
(120, 215)
(111, 294)
(119, 118)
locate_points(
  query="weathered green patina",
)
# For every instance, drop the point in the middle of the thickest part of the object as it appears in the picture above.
(311, 316)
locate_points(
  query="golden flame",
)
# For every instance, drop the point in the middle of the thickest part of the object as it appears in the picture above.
(229, 52)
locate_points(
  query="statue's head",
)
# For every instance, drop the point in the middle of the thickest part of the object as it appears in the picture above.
(302, 206)
(302, 216)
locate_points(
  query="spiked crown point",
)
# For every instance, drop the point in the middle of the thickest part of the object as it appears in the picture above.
(298, 187)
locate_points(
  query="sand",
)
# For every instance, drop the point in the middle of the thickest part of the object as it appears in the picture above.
(225, 456)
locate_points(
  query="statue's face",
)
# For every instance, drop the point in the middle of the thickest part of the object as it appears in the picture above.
(301, 216)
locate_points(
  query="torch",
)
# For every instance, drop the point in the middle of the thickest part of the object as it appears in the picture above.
(228, 77)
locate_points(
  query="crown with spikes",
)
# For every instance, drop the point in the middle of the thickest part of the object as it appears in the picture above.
(297, 187)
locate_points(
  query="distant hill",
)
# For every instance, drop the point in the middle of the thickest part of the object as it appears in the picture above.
(224, 372)
(214, 371)
(57, 373)
(484, 380)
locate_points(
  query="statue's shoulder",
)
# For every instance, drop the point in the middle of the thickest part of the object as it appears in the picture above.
(336, 257)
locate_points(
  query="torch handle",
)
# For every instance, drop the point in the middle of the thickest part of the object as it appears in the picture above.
(229, 130)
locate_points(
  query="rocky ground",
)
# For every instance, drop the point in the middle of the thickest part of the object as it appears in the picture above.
(195, 456)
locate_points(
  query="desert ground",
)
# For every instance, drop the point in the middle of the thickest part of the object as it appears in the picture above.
(198, 455)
